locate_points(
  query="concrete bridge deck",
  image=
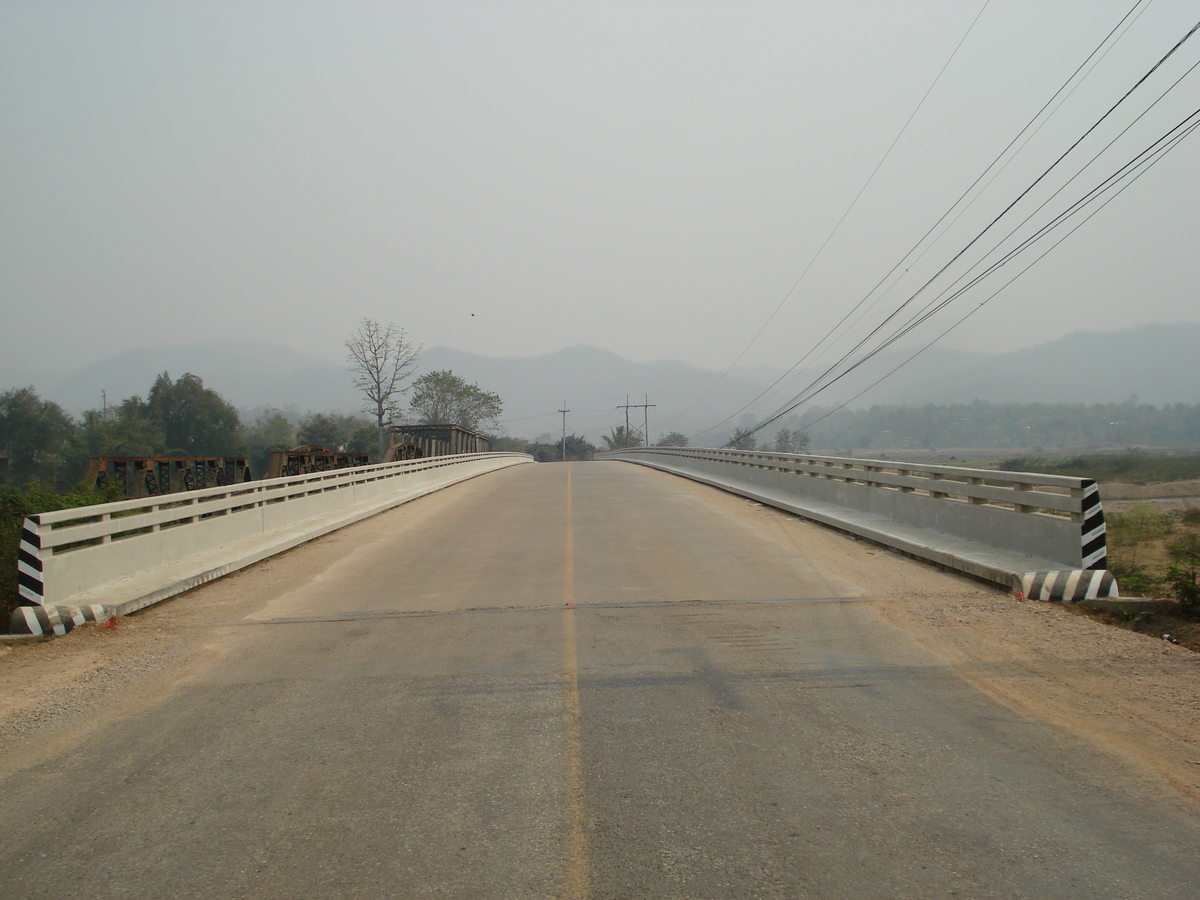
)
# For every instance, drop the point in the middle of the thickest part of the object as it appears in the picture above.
(582, 680)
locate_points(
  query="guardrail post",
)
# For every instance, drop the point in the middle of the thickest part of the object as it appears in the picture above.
(937, 495)
(1020, 507)
(1077, 494)
(976, 501)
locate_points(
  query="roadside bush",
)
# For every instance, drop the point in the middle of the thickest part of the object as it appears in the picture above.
(1134, 580)
(1183, 575)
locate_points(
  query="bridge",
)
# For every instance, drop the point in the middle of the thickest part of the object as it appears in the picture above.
(566, 680)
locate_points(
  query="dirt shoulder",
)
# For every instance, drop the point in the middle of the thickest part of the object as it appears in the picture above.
(1132, 693)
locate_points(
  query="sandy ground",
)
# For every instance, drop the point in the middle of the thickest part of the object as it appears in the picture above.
(1115, 490)
(1132, 695)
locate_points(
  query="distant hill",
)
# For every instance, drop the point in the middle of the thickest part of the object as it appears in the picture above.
(593, 383)
(1158, 363)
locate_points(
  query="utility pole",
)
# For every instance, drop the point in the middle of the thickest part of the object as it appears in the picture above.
(646, 418)
(626, 408)
(645, 407)
(104, 399)
(564, 412)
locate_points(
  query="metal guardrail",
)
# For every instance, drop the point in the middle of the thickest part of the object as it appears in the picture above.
(1052, 517)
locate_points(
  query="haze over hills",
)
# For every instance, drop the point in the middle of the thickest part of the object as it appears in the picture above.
(246, 373)
(1158, 363)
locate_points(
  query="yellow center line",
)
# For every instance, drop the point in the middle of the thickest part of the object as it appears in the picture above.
(575, 853)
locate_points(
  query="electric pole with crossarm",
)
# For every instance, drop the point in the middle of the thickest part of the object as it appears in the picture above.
(564, 412)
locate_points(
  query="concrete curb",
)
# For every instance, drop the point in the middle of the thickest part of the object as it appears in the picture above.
(1067, 585)
(57, 620)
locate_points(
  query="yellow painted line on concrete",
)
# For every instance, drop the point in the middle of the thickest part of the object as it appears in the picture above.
(575, 853)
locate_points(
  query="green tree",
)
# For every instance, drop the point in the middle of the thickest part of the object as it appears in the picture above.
(622, 438)
(743, 439)
(363, 441)
(125, 430)
(381, 360)
(674, 439)
(509, 445)
(36, 434)
(577, 447)
(321, 430)
(788, 441)
(195, 420)
(442, 398)
(333, 430)
(271, 430)
(542, 452)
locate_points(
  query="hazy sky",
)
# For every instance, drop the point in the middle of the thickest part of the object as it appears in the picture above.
(514, 178)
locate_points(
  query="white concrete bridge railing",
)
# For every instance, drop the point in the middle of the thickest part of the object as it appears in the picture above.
(995, 525)
(129, 554)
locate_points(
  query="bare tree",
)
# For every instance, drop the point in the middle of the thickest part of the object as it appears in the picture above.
(382, 360)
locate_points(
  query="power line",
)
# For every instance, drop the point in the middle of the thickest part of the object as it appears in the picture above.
(1129, 172)
(984, 231)
(942, 218)
(1174, 142)
(939, 303)
(838, 225)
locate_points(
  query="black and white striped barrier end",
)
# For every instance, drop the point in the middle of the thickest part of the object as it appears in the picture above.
(1093, 537)
(1071, 585)
(29, 563)
(56, 619)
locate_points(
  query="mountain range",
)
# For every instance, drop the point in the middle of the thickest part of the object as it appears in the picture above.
(1158, 363)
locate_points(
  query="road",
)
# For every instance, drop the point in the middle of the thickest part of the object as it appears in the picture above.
(582, 680)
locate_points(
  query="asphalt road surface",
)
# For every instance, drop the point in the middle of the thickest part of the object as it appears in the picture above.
(584, 680)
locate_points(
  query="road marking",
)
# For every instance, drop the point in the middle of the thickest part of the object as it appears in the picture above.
(575, 853)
